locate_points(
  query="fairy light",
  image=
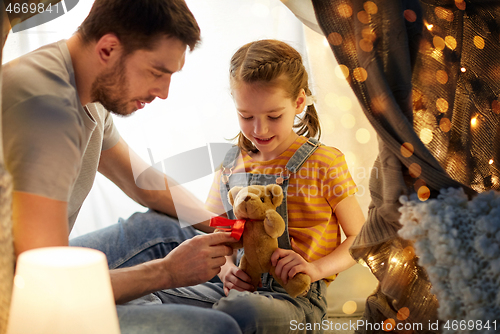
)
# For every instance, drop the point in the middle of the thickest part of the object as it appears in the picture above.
(429, 26)
(463, 69)
(490, 162)
(473, 122)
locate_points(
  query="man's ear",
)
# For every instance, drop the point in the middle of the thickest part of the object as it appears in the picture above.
(275, 192)
(108, 48)
(232, 194)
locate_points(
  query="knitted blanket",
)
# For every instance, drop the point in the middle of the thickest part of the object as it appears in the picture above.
(458, 243)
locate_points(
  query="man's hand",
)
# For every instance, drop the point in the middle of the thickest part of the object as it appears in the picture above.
(288, 264)
(234, 278)
(197, 260)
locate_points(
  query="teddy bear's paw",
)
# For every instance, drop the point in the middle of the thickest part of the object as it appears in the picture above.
(299, 285)
(303, 294)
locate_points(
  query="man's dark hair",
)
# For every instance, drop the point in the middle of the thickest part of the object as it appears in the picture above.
(139, 23)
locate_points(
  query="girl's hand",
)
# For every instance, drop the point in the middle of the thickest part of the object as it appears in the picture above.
(288, 263)
(234, 278)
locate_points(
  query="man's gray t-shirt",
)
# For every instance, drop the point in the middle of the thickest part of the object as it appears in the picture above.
(52, 145)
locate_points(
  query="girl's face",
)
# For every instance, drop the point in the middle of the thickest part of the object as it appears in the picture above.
(266, 117)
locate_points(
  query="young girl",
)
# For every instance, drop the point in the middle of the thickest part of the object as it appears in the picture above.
(269, 85)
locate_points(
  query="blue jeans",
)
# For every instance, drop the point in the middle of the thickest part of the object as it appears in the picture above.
(144, 237)
(268, 310)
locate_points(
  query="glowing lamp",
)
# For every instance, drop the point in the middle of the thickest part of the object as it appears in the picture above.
(61, 290)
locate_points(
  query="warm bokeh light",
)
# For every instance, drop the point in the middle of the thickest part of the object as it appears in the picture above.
(473, 122)
(491, 162)
(450, 42)
(348, 121)
(415, 170)
(423, 193)
(445, 124)
(495, 106)
(362, 136)
(463, 69)
(438, 43)
(344, 10)
(460, 4)
(444, 13)
(408, 252)
(410, 15)
(442, 105)
(335, 38)
(342, 72)
(368, 34)
(366, 45)
(389, 325)
(370, 7)
(407, 150)
(426, 135)
(344, 103)
(479, 42)
(360, 74)
(442, 77)
(349, 307)
(363, 17)
(403, 313)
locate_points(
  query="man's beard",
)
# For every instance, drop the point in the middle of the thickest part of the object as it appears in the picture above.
(111, 89)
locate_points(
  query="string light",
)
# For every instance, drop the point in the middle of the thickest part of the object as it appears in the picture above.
(473, 122)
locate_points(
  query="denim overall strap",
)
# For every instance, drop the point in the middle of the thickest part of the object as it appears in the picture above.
(302, 154)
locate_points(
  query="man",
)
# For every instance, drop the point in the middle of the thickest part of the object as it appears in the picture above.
(56, 137)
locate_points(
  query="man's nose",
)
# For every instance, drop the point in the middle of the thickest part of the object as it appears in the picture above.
(161, 90)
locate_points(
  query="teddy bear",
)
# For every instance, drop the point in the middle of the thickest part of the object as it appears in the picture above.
(257, 205)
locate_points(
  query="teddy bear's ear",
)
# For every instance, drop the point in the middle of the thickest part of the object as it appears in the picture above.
(275, 192)
(232, 194)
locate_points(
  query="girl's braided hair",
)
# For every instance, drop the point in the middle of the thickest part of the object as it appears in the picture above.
(275, 63)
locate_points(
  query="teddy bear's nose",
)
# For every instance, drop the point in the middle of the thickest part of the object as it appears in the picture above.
(247, 198)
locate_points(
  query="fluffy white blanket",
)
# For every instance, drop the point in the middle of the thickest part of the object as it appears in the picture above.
(458, 243)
